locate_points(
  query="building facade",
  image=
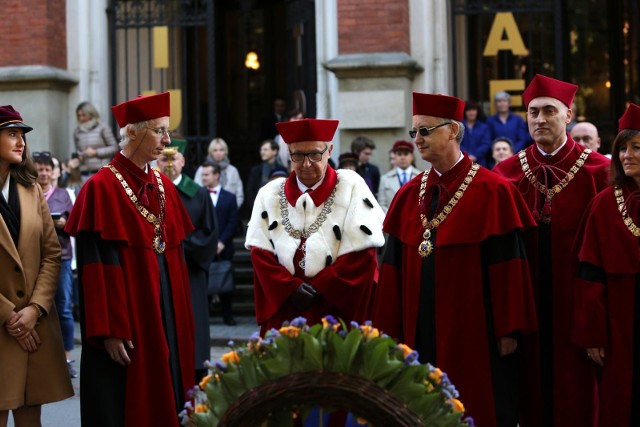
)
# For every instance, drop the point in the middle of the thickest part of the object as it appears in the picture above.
(354, 60)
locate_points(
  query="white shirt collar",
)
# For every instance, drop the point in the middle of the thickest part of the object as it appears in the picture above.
(5, 188)
(407, 170)
(458, 161)
(177, 180)
(304, 188)
(555, 151)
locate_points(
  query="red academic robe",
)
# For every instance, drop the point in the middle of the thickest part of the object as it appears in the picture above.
(480, 281)
(345, 284)
(607, 311)
(120, 277)
(560, 382)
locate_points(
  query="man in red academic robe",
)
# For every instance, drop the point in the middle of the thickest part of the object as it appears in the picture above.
(313, 236)
(558, 178)
(455, 282)
(137, 324)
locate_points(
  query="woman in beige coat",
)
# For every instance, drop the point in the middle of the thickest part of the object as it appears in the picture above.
(33, 370)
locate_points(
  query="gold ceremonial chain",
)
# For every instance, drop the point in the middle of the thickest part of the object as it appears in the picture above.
(625, 215)
(550, 192)
(297, 234)
(158, 244)
(426, 247)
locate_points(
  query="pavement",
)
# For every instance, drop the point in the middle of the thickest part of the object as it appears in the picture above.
(67, 412)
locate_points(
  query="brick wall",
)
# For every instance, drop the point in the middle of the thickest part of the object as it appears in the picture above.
(34, 33)
(373, 26)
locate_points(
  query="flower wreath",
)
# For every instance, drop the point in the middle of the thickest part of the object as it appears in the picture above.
(297, 367)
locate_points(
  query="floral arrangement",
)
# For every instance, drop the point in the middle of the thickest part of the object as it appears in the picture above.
(359, 351)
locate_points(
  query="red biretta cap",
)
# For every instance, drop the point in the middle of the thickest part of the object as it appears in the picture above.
(402, 146)
(630, 119)
(546, 86)
(443, 106)
(142, 108)
(307, 130)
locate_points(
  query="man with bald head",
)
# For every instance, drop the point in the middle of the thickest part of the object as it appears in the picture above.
(199, 248)
(458, 214)
(558, 178)
(586, 134)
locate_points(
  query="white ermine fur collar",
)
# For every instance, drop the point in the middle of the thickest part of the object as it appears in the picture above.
(354, 224)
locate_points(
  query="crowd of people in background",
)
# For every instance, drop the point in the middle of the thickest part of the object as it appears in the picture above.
(541, 282)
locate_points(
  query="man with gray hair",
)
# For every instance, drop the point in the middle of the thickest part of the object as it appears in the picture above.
(136, 321)
(508, 124)
(455, 256)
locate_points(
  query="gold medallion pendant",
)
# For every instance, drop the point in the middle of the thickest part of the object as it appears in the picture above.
(158, 243)
(425, 248)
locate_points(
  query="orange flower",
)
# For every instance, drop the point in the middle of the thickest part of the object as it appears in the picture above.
(202, 407)
(406, 350)
(370, 332)
(231, 357)
(436, 375)
(326, 324)
(457, 405)
(205, 381)
(362, 421)
(429, 386)
(290, 331)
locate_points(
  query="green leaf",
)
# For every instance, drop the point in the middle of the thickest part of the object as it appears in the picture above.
(232, 385)
(425, 404)
(351, 347)
(376, 364)
(248, 372)
(312, 354)
(216, 399)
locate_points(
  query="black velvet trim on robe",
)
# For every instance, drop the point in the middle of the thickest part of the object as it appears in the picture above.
(545, 319)
(504, 370)
(102, 381)
(634, 418)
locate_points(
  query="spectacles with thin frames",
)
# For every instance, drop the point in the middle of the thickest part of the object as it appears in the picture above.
(313, 157)
(160, 132)
(424, 131)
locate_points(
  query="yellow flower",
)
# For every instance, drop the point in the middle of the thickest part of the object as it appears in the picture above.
(457, 405)
(429, 386)
(406, 350)
(202, 407)
(205, 381)
(362, 421)
(290, 331)
(231, 357)
(370, 332)
(436, 375)
(328, 325)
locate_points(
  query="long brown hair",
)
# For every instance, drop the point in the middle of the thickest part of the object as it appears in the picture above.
(25, 172)
(618, 176)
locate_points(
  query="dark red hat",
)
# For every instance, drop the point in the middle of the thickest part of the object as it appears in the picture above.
(142, 108)
(10, 118)
(546, 86)
(443, 106)
(307, 130)
(630, 119)
(402, 146)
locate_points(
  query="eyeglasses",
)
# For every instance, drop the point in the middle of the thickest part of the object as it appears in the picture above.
(426, 131)
(313, 157)
(41, 155)
(160, 132)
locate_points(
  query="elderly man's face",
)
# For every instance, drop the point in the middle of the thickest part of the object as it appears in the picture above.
(547, 119)
(586, 135)
(502, 105)
(439, 144)
(148, 142)
(177, 164)
(308, 172)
